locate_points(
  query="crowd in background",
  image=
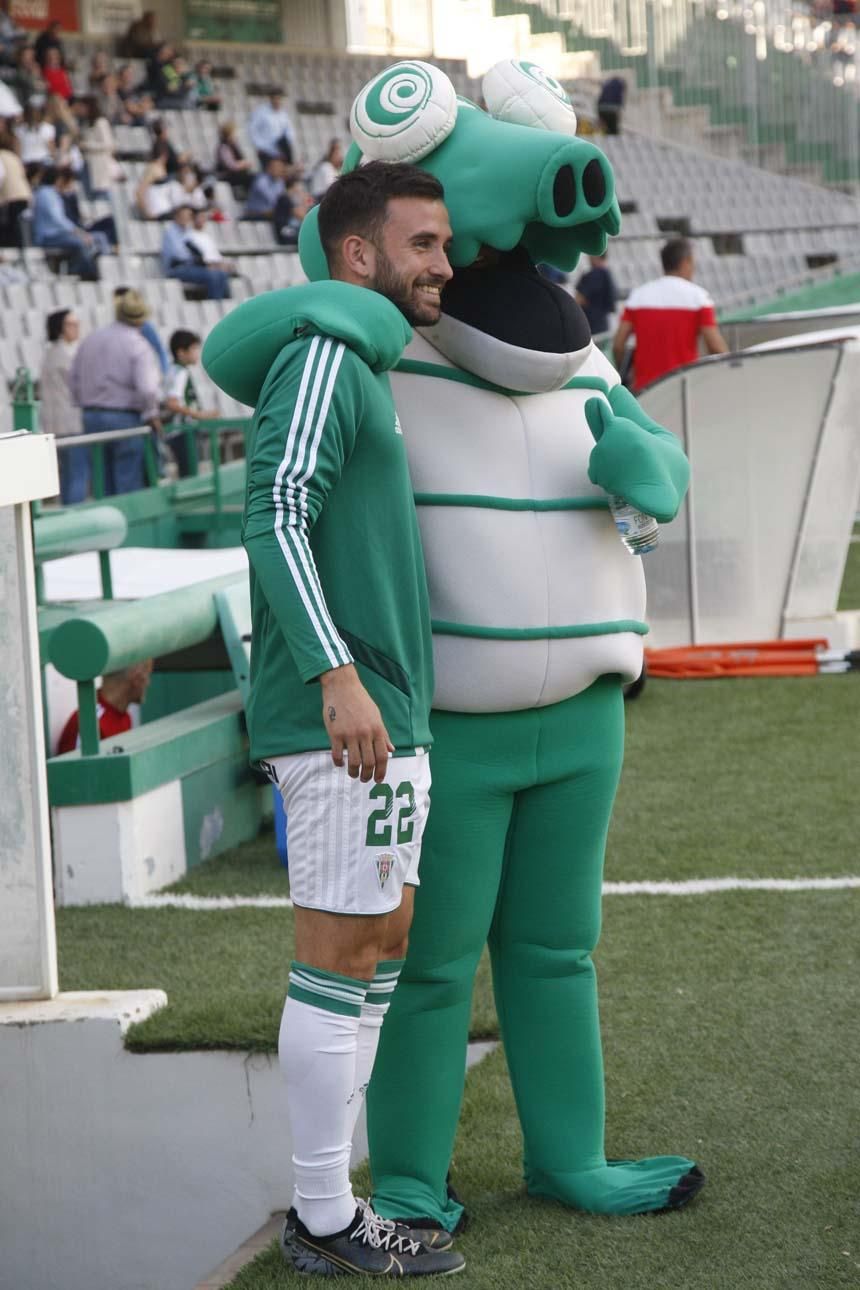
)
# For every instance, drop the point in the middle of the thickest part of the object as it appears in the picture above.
(119, 377)
(56, 143)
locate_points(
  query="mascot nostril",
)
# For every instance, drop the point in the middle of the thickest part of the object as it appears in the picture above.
(564, 190)
(594, 183)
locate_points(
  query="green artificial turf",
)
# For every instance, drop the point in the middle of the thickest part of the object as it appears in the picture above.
(730, 1033)
(850, 595)
(750, 778)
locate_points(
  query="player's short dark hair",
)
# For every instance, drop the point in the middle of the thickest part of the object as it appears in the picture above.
(182, 339)
(55, 323)
(357, 202)
(674, 253)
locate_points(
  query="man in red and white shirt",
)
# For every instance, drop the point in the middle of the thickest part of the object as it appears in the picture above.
(118, 691)
(667, 316)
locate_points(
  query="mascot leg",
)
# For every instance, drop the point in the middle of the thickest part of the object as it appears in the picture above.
(414, 1098)
(546, 926)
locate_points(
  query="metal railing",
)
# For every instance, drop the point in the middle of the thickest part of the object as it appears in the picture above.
(25, 407)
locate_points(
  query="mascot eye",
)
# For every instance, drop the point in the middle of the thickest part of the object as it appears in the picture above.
(404, 112)
(522, 93)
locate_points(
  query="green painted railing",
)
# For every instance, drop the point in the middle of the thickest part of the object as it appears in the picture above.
(91, 643)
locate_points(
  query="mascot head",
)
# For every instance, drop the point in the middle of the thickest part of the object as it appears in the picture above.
(515, 177)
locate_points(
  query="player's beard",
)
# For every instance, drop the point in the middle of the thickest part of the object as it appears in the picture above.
(401, 291)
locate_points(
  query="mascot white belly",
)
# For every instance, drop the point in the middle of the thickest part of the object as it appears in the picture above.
(532, 592)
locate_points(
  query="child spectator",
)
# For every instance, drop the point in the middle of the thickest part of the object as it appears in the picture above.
(181, 400)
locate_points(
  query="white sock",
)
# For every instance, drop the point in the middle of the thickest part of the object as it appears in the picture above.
(373, 1012)
(317, 1047)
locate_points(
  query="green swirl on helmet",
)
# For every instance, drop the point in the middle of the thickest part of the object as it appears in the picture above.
(548, 82)
(386, 86)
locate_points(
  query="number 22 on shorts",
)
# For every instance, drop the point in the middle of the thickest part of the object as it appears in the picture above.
(379, 828)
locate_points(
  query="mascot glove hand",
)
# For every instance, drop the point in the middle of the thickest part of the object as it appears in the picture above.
(630, 459)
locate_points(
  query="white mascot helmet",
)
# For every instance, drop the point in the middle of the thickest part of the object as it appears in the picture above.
(522, 93)
(404, 112)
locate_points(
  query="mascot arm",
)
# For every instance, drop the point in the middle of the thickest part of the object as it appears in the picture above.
(635, 458)
(288, 483)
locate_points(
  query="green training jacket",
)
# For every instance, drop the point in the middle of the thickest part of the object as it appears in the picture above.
(337, 574)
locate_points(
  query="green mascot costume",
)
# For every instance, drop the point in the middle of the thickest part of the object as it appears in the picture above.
(518, 433)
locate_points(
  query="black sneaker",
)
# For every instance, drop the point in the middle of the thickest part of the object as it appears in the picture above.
(370, 1246)
(428, 1231)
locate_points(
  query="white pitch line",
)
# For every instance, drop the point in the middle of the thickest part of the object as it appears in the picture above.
(210, 902)
(689, 887)
(707, 886)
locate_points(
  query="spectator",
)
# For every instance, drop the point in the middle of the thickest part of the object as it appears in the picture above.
(271, 130)
(181, 400)
(666, 317)
(610, 104)
(181, 259)
(116, 382)
(55, 76)
(27, 80)
(99, 68)
(596, 294)
(98, 148)
(290, 209)
(204, 92)
(326, 170)
(141, 39)
(105, 225)
(206, 245)
(162, 147)
(231, 165)
(148, 332)
(58, 414)
(188, 187)
(53, 230)
(168, 78)
(38, 137)
(265, 191)
(50, 39)
(118, 691)
(153, 195)
(10, 35)
(138, 105)
(15, 193)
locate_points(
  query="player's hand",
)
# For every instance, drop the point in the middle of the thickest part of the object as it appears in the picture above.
(354, 725)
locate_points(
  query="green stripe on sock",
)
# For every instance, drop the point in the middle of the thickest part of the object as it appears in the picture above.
(343, 995)
(385, 980)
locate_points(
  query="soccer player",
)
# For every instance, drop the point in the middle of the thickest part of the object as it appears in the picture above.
(341, 683)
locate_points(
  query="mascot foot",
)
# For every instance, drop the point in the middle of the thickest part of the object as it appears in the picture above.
(622, 1186)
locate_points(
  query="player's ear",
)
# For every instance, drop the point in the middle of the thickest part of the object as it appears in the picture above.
(358, 255)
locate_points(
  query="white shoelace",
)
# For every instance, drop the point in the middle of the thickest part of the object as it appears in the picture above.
(381, 1233)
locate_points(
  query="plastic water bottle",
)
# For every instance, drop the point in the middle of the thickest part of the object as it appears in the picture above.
(639, 532)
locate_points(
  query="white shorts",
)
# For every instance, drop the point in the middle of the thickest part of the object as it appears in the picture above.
(352, 846)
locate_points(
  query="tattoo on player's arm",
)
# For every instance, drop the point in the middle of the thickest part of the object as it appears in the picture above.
(331, 713)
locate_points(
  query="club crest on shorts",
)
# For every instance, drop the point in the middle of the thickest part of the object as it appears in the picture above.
(384, 864)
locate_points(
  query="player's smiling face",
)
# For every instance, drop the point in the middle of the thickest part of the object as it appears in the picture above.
(411, 258)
